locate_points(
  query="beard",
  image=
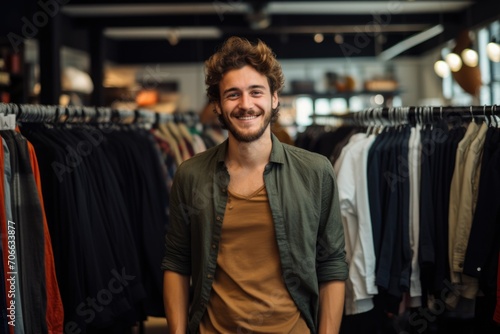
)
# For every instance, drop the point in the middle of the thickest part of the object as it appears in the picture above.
(248, 136)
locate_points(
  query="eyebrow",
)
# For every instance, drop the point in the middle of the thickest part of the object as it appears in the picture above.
(234, 89)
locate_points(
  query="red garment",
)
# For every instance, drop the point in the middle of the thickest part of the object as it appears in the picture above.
(55, 310)
(496, 315)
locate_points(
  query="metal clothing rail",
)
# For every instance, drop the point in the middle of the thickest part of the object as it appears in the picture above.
(414, 115)
(37, 113)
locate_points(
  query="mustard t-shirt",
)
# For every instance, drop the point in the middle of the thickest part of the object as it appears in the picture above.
(248, 292)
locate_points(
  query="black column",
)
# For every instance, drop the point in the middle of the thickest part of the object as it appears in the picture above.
(49, 45)
(97, 59)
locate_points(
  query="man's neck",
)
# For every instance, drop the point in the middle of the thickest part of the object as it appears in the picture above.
(249, 155)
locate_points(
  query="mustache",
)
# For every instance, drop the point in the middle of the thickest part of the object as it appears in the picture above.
(246, 113)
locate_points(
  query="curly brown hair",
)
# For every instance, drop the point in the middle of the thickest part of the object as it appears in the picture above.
(236, 53)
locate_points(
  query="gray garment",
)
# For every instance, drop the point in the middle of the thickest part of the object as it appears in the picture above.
(28, 217)
(7, 180)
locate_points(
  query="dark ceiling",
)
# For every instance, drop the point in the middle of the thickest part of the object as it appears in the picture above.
(137, 31)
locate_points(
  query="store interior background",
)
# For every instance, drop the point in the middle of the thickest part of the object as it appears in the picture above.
(135, 54)
(337, 56)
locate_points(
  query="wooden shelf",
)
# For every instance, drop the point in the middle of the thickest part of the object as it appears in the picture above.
(345, 95)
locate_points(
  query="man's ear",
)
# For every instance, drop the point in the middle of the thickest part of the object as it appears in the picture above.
(275, 101)
(217, 109)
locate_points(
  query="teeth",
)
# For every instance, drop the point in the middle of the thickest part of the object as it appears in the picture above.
(247, 117)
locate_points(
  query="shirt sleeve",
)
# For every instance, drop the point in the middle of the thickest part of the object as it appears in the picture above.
(330, 253)
(177, 239)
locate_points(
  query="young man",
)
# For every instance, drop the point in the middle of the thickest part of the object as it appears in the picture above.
(255, 241)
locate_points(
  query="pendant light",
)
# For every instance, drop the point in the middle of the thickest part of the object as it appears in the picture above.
(493, 51)
(441, 68)
(454, 61)
(319, 38)
(470, 57)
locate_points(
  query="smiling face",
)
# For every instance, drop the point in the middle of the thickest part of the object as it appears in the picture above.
(246, 103)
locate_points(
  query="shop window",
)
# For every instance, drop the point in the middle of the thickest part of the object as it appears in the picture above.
(304, 107)
(356, 103)
(339, 106)
(322, 106)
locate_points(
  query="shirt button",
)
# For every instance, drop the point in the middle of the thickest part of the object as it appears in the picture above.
(219, 218)
(213, 246)
(209, 276)
(478, 269)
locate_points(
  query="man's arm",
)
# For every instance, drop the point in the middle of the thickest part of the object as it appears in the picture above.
(176, 301)
(331, 306)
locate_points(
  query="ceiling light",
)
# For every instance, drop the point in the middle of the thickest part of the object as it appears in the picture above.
(259, 18)
(410, 42)
(454, 61)
(145, 33)
(470, 57)
(318, 38)
(493, 51)
(173, 36)
(379, 99)
(441, 68)
(339, 39)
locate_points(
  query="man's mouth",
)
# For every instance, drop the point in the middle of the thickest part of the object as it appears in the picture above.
(247, 117)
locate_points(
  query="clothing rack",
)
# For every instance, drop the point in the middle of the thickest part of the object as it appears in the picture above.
(36, 113)
(12, 114)
(414, 115)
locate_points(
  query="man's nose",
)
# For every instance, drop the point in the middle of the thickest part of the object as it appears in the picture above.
(245, 101)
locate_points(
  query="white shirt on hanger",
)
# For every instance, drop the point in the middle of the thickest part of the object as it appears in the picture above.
(414, 163)
(355, 210)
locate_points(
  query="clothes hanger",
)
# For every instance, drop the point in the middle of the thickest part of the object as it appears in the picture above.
(430, 119)
(365, 120)
(486, 117)
(471, 114)
(404, 115)
(3, 108)
(494, 115)
(390, 117)
(378, 117)
(417, 117)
